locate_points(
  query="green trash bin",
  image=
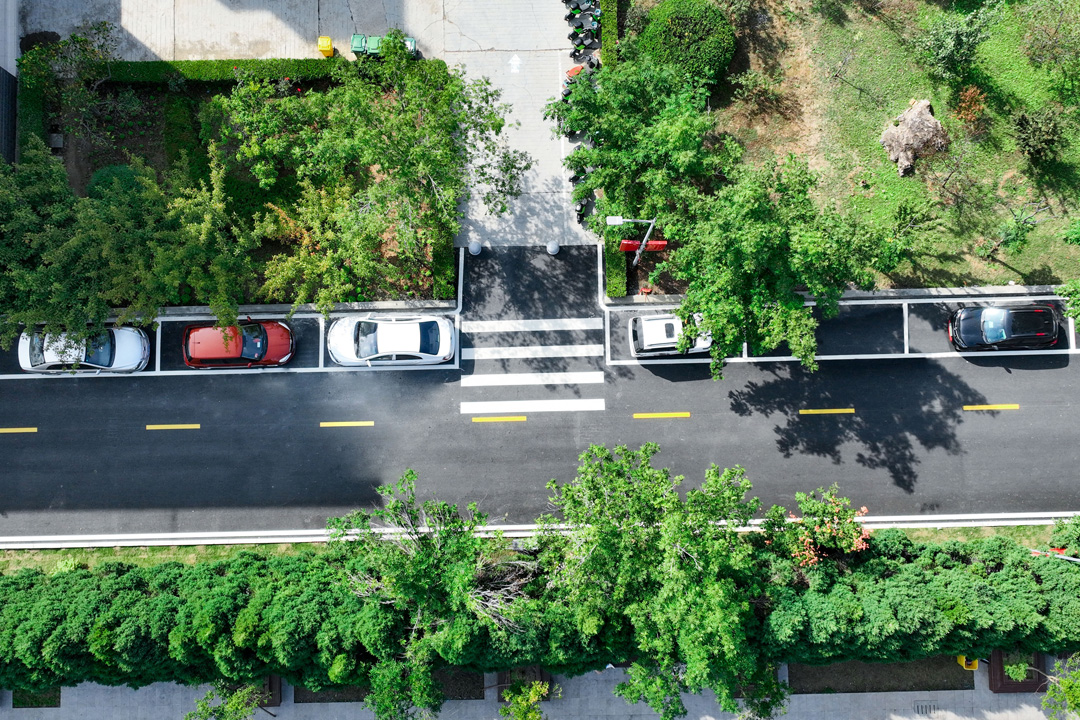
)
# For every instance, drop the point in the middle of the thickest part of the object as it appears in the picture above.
(373, 44)
(358, 44)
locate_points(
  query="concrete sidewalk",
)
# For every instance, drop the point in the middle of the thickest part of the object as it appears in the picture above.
(588, 697)
(520, 45)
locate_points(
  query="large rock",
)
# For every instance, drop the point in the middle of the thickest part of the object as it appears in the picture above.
(915, 132)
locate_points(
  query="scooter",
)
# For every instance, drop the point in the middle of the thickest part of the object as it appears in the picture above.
(586, 35)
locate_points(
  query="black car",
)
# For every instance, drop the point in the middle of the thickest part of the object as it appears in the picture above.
(1023, 327)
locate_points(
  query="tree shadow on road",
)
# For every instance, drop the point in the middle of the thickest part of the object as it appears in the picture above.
(891, 422)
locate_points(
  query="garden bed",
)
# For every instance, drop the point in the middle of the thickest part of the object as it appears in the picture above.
(937, 673)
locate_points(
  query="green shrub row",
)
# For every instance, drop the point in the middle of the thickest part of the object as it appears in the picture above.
(160, 71)
(614, 268)
(609, 22)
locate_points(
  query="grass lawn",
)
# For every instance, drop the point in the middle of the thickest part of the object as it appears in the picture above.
(848, 69)
(1032, 536)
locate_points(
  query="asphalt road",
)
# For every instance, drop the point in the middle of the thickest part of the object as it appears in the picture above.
(260, 459)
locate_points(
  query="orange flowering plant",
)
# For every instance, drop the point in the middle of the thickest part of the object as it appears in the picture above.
(828, 528)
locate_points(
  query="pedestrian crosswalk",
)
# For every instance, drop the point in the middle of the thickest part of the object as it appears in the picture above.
(519, 367)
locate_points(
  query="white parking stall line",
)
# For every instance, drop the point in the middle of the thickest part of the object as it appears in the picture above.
(157, 349)
(532, 406)
(532, 351)
(1072, 334)
(879, 356)
(540, 378)
(482, 326)
(322, 340)
(907, 336)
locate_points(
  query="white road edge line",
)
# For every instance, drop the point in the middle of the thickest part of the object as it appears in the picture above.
(235, 537)
(543, 378)
(500, 326)
(532, 406)
(532, 351)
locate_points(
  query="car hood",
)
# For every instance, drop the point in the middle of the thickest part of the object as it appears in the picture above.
(132, 349)
(968, 327)
(279, 341)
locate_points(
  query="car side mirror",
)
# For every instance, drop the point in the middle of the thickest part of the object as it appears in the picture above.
(250, 364)
(98, 372)
(368, 363)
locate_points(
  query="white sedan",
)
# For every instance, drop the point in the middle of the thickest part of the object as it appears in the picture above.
(658, 335)
(390, 340)
(121, 350)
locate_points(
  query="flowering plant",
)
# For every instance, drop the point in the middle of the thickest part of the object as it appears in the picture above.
(829, 526)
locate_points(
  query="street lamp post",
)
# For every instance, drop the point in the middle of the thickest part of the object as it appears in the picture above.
(619, 220)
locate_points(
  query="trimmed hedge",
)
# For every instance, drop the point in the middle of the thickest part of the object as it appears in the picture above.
(693, 35)
(614, 269)
(30, 111)
(159, 71)
(609, 18)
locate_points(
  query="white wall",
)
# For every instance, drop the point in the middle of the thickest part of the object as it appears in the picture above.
(9, 34)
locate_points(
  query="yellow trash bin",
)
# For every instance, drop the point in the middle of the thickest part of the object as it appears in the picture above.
(326, 45)
(972, 664)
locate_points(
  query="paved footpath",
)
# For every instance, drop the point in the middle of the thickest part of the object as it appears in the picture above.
(520, 45)
(588, 697)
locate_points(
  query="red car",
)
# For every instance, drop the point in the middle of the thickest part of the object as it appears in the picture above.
(256, 343)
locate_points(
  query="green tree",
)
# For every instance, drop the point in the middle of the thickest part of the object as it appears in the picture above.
(748, 251)
(523, 701)
(693, 35)
(948, 46)
(394, 149)
(1039, 134)
(1052, 37)
(678, 574)
(1062, 699)
(234, 703)
(441, 594)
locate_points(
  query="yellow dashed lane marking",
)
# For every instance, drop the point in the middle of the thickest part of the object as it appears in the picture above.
(658, 416)
(1005, 406)
(829, 411)
(5, 431)
(194, 426)
(349, 423)
(502, 418)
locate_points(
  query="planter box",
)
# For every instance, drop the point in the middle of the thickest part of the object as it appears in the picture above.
(1002, 683)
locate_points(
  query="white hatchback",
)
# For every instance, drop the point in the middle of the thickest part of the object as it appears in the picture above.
(653, 335)
(390, 340)
(120, 350)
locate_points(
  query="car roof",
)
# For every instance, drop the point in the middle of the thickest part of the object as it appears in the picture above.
(208, 343)
(660, 331)
(57, 350)
(398, 337)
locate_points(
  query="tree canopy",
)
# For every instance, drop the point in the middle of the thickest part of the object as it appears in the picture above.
(750, 251)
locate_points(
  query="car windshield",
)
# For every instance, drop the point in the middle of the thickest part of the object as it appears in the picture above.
(99, 349)
(994, 325)
(254, 342)
(37, 349)
(429, 338)
(366, 345)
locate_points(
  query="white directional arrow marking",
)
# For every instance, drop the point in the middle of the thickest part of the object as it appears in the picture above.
(515, 64)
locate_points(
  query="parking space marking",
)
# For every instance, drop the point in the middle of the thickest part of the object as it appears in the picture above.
(348, 423)
(499, 419)
(828, 411)
(907, 335)
(13, 430)
(526, 406)
(157, 349)
(1002, 406)
(482, 326)
(1072, 334)
(660, 415)
(322, 340)
(539, 378)
(532, 351)
(190, 426)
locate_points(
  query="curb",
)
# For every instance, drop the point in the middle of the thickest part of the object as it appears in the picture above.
(285, 308)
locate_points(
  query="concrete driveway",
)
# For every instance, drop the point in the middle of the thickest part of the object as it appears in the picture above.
(519, 44)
